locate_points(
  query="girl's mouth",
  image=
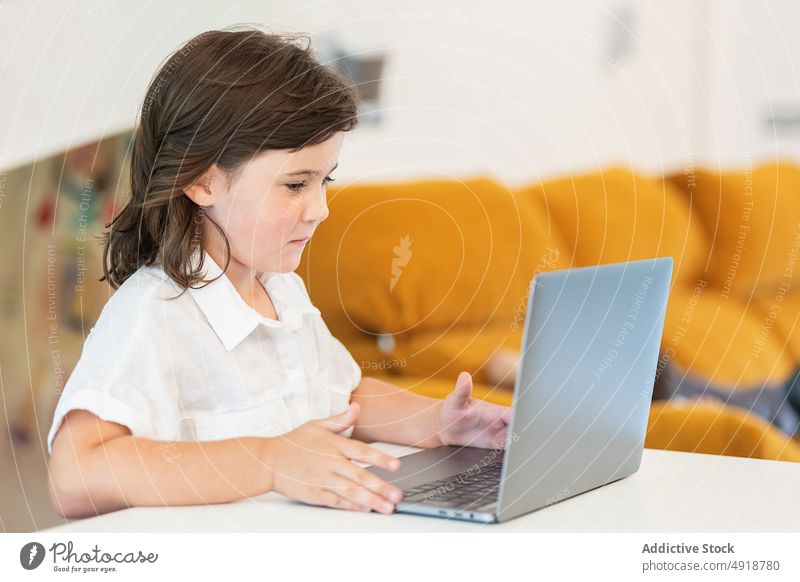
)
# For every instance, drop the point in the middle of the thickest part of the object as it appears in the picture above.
(299, 241)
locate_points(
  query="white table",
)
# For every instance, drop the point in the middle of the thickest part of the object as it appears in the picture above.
(671, 492)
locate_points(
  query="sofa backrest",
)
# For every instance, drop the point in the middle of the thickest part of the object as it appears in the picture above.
(752, 218)
(404, 257)
(617, 215)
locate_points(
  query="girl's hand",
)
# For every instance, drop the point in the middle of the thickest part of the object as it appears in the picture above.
(466, 421)
(315, 465)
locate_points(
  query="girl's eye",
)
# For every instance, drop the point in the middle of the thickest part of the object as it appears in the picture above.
(298, 186)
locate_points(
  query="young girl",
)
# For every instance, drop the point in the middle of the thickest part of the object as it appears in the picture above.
(210, 376)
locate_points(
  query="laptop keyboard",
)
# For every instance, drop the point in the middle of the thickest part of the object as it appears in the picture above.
(460, 490)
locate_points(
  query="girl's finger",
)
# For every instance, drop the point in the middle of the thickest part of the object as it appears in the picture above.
(501, 439)
(332, 499)
(460, 395)
(377, 485)
(363, 453)
(358, 494)
(340, 422)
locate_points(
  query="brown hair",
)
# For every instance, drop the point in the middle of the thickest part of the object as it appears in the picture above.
(223, 97)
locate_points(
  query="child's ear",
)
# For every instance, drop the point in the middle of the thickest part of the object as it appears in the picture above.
(205, 190)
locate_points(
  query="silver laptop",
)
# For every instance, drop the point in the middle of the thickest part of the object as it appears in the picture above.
(581, 400)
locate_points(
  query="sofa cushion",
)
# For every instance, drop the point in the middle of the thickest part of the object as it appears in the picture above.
(780, 318)
(710, 428)
(718, 339)
(617, 215)
(447, 352)
(753, 221)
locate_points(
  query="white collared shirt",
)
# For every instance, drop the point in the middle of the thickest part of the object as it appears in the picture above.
(206, 366)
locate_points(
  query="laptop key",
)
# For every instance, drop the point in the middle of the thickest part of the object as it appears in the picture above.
(460, 491)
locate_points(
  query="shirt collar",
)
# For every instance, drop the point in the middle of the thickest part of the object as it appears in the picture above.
(232, 319)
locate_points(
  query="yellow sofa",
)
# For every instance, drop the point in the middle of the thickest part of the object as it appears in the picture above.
(423, 279)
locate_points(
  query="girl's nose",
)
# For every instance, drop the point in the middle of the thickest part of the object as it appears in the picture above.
(317, 208)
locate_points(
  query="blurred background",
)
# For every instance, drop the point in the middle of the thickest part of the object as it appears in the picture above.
(619, 129)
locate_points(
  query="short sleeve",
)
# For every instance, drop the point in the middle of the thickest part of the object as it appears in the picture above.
(341, 372)
(347, 371)
(121, 375)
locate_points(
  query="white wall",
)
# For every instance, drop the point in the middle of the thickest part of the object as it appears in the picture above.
(518, 89)
(71, 72)
(473, 87)
(754, 53)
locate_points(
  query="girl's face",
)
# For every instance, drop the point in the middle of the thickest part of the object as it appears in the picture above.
(271, 207)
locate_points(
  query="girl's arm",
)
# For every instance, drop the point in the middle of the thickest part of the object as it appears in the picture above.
(98, 466)
(393, 414)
